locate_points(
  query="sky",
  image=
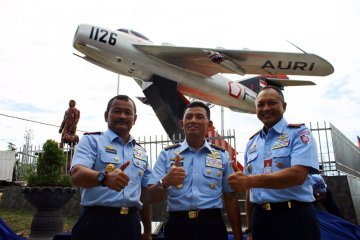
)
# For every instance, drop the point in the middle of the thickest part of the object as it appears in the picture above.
(40, 74)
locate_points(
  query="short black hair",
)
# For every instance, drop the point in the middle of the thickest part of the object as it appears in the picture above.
(120, 97)
(278, 90)
(199, 104)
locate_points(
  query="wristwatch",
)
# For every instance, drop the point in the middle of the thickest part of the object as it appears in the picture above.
(160, 185)
(101, 178)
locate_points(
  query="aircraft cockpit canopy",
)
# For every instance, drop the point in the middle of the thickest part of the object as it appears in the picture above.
(133, 33)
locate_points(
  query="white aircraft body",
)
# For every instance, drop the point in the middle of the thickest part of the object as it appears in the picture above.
(197, 71)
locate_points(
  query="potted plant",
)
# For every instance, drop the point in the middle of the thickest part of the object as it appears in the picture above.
(48, 189)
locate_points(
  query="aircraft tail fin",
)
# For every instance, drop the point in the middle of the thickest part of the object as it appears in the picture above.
(280, 81)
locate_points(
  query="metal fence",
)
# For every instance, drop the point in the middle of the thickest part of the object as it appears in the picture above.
(153, 145)
(337, 154)
(27, 156)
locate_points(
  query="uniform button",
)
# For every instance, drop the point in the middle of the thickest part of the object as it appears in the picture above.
(110, 167)
(249, 168)
(179, 186)
(208, 171)
(212, 185)
(218, 173)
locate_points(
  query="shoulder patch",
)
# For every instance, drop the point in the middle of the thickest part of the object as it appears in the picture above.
(218, 147)
(254, 135)
(172, 146)
(295, 125)
(92, 133)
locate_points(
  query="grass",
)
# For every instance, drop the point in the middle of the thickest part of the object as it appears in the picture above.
(20, 221)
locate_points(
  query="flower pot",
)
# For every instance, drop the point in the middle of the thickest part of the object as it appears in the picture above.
(48, 201)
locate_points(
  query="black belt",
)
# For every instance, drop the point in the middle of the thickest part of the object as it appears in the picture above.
(281, 205)
(193, 214)
(116, 210)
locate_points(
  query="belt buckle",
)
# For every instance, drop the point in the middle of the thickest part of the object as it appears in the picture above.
(193, 214)
(124, 211)
(266, 206)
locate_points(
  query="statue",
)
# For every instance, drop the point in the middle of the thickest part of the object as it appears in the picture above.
(68, 125)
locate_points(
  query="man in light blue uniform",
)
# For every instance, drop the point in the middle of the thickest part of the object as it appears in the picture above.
(112, 171)
(193, 177)
(278, 161)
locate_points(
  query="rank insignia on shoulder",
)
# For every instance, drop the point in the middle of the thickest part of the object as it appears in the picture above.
(295, 125)
(92, 133)
(254, 135)
(172, 146)
(218, 147)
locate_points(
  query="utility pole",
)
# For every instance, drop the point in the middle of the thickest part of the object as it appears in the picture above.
(118, 85)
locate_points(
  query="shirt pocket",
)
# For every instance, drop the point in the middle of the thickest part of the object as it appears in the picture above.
(249, 166)
(105, 160)
(211, 181)
(137, 169)
(281, 158)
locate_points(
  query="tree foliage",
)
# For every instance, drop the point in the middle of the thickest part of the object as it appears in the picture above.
(49, 167)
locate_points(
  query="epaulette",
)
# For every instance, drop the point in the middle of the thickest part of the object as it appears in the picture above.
(254, 135)
(172, 146)
(218, 147)
(139, 145)
(295, 125)
(92, 133)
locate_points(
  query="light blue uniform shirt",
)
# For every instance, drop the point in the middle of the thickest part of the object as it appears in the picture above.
(319, 185)
(96, 151)
(281, 147)
(206, 176)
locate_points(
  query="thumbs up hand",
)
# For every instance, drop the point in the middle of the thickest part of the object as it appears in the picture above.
(234, 166)
(118, 179)
(238, 181)
(176, 174)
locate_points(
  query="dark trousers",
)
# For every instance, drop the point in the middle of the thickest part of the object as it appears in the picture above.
(195, 229)
(101, 225)
(298, 223)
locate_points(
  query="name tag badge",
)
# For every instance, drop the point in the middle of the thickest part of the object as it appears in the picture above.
(180, 163)
(110, 149)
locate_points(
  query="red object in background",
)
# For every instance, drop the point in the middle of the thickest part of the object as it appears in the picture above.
(218, 140)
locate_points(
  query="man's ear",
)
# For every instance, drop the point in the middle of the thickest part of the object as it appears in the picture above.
(284, 106)
(135, 117)
(106, 114)
(181, 123)
(210, 125)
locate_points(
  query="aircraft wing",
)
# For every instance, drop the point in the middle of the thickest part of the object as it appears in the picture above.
(209, 62)
(288, 82)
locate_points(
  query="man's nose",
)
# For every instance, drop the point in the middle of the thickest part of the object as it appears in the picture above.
(266, 107)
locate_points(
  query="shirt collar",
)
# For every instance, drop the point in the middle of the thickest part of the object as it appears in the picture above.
(112, 136)
(278, 127)
(185, 145)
